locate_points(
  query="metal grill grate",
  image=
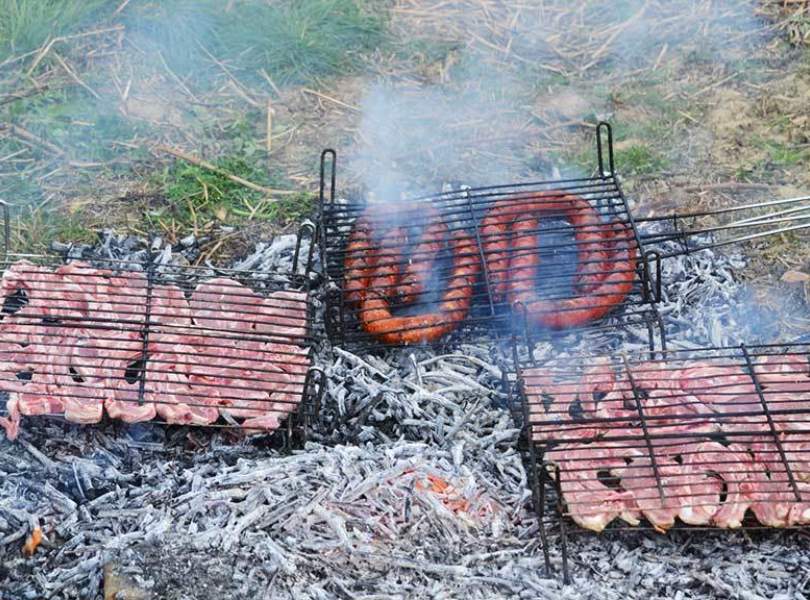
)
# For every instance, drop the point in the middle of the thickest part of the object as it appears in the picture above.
(169, 345)
(710, 438)
(548, 254)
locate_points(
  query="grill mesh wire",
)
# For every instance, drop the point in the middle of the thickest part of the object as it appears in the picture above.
(463, 212)
(75, 339)
(714, 437)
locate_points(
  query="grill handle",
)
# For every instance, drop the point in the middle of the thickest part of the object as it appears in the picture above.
(605, 127)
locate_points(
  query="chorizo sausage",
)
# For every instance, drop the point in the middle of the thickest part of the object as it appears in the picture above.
(608, 294)
(358, 261)
(375, 311)
(605, 274)
(423, 259)
(362, 254)
(518, 214)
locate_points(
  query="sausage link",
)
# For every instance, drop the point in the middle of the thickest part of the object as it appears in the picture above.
(496, 239)
(423, 259)
(388, 263)
(524, 258)
(609, 294)
(593, 250)
(377, 319)
(358, 262)
(600, 284)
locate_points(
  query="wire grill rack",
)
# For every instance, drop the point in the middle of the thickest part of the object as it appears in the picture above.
(84, 342)
(710, 438)
(467, 250)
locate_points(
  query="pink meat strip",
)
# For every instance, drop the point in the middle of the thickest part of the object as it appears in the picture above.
(171, 311)
(194, 370)
(638, 478)
(177, 398)
(225, 304)
(555, 406)
(776, 504)
(783, 372)
(734, 467)
(254, 380)
(242, 381)
(717, 386)
(590, 503)
(48, 294)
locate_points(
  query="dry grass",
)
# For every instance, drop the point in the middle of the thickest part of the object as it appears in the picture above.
(513, 90)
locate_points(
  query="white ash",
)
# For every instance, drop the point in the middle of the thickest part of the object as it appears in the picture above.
(194, 514)
(270, 260)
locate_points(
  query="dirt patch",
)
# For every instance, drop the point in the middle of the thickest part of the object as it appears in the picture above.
(767, 129)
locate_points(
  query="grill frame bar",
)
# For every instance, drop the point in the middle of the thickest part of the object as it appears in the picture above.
(463, 210)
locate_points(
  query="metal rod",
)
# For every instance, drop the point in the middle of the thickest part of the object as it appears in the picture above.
(647, 440)
(6, 229)
(740, 239)
(723, 210)
(563, 532)
(663, 237)
(538, 494)
(787, 211)
(310, 228)
(480, 245)
(599, 147)
(771, 425)
(150, 276)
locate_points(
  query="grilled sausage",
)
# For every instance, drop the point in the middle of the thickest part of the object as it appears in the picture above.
(375, 311)
(358, 261)
(608, 294)
(363, 253)
(604, 273)
(422, 262)
(517, 216)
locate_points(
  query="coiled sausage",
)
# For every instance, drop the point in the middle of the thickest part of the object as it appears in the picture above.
(606, 258)
(375, 310)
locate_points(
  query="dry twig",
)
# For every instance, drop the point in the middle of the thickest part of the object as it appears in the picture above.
(215, 169)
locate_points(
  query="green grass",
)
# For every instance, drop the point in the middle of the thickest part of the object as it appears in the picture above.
(197, 198)
(34, 230)
(294, 41)
(639, 159)
(26, 24)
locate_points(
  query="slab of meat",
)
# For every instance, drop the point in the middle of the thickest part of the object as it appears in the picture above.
(592, 503)
(170, 309)
(35, 292)
(41, 376)
(783, 372)
(734, 467)
(223, 304)
(638, 478)
(557, 408)
(71, 344)
(717, 386)
(177, 399)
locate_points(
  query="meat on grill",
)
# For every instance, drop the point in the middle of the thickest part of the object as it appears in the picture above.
(375, 307)
(677, 411)
(71, 344)
(591, 502)
(561, 407)
(605, 252)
